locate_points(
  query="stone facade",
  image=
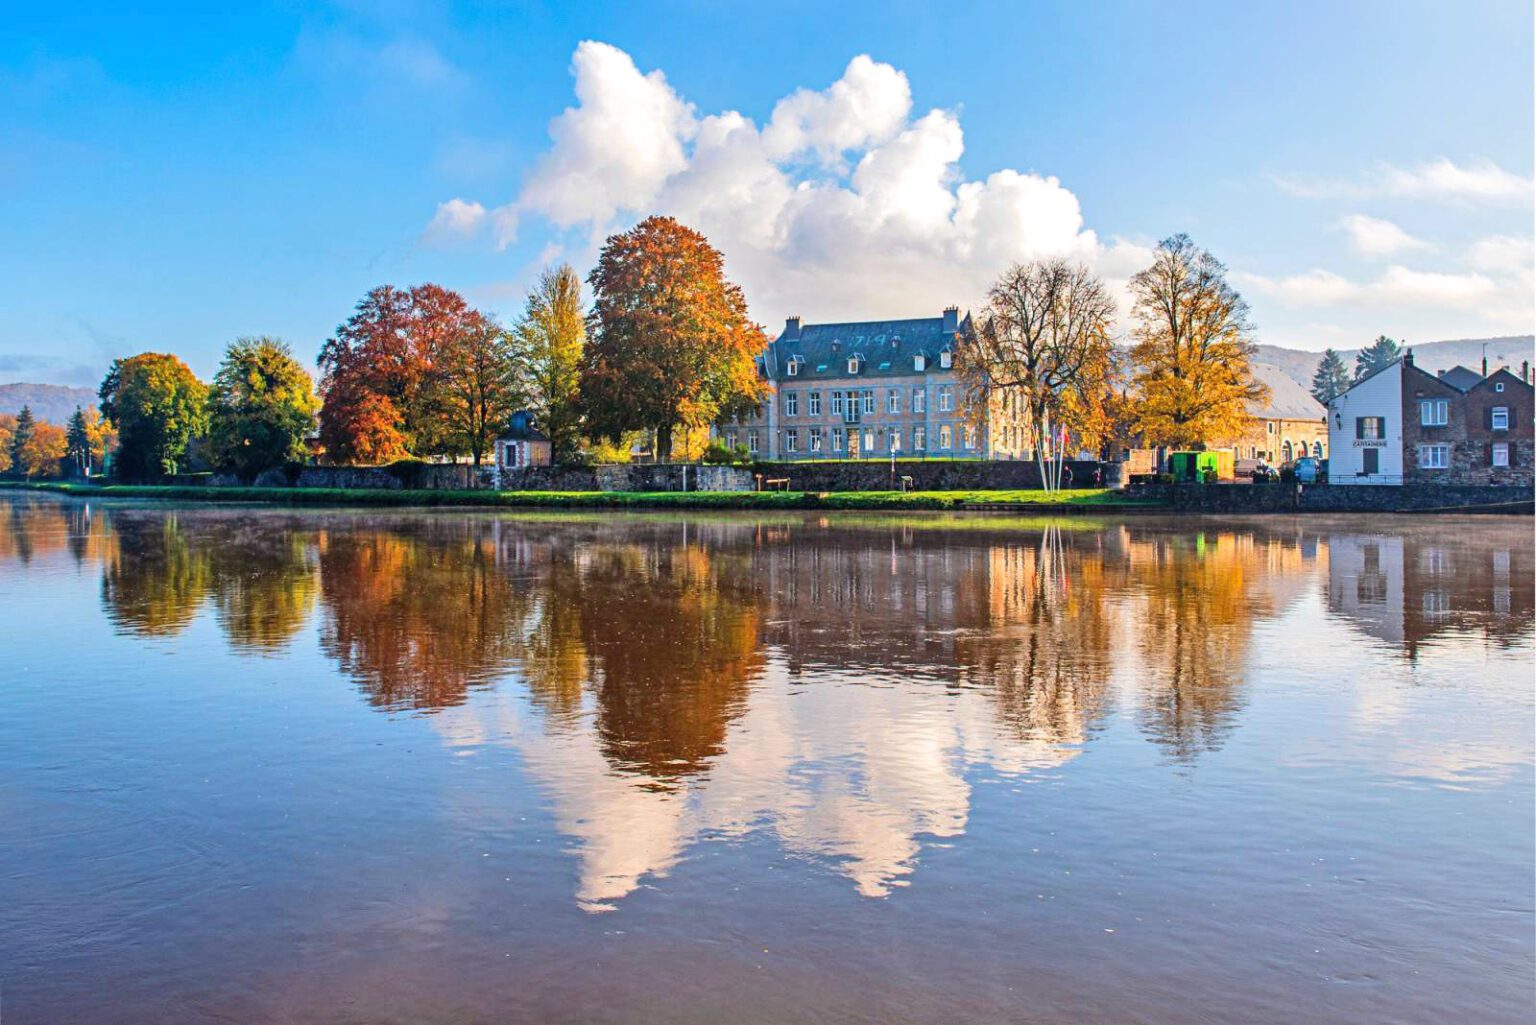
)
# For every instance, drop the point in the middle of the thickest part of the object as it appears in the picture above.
(1450, 435)
(928, 475)
(1288, 425)
(862, 390)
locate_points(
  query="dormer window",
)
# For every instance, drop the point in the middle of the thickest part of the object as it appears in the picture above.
(919, 362)
(792, 368)
(946, 359)
(853, 364)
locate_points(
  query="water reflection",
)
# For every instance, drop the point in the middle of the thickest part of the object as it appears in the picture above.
(829, 682)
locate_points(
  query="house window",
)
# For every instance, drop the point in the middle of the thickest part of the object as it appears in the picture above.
(1269, 427)
(791, 440)
(791, 403)
(730, 439)
(853, 364)
(1433, 412)
(945, 359)
(815, 439)
(839, 439)
(1371, 428)
(895, 440)
(1434, 457)
(946, 400)
(919, 362)
(945, 437)
(893, 400)
(792, 368)
(919, 400)
(751, 441)
(837, 403)
(1501, 454)
(869, 401)
(869, 440)
(919, 438)
(1498, 386)
(969, 433)
(1500, 418)
(813, 403)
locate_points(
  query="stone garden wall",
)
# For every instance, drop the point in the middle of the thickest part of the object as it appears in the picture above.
(1281, 498)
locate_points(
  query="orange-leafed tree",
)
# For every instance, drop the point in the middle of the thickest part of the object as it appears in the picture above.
(671, 347)
(383, 375)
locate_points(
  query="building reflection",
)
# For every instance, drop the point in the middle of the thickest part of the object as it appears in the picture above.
(1421, 584)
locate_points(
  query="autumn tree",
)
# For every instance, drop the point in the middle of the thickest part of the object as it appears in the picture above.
(1193, 349)
(382, 375)
(671, 347)
(43, 451)
(547, 344)
(1044, 342)
(261, 408)
(1375, 356)
(158, 406)
(1331, 377)
(7, 433)
(477, 390)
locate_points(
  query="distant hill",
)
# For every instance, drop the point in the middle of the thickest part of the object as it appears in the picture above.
(1431, 356)
(52, 402)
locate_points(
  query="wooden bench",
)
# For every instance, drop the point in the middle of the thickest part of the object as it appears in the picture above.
(772, 483)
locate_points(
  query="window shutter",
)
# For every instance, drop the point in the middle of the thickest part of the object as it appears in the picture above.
(1359, 427)
(1488, 418)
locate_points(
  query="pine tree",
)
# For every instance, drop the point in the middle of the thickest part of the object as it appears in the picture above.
(1375, 356)
(78, 441)
(26, 427)
(1331, 378)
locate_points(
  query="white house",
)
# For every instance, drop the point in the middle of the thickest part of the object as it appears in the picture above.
(1365, 430)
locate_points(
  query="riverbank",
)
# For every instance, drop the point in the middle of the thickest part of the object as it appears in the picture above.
(1079, 500)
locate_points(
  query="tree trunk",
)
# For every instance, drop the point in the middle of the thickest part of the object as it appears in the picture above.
(664, 444)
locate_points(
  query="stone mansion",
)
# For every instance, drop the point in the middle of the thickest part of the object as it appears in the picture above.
(869, 390)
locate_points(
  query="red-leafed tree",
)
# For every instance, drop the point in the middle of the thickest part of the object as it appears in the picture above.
(385, 375)
(671, 345)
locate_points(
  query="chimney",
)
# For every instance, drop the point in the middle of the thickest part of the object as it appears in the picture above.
(792, 326)
(1407, 357)
(1525, 371)
(1439, 373)
(1485, 364)
(951, 319)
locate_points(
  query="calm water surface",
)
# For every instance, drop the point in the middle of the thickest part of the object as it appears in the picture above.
(334, 766)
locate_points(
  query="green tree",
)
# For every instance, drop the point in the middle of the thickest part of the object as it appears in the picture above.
(77, 441)
(261, 408)
(21, 436)
(1331, 377)
(158, 405)
(671, 346)
(547, 346)
(476, 387)
(1376, 355)
(1193, 349)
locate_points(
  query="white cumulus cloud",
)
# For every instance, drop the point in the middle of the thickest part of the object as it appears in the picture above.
(846, 203)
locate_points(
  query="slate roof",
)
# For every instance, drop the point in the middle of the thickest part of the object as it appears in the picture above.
(887, 348)
(1461, 378)
(1288, 400)
(521, 428)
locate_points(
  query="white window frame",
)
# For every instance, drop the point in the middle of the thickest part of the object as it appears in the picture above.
(1435, 457)
(792, 368)
(791, 440)
(1496, 414)
(919, 363)
(869, 402)
(946, 436)
(1500, 449)
(853, 364)
(893, 400)
(751, 441)
(791, 403)
(839, 439)
(919, 400)
(946, 399)
(837, 403)
(919, 439)
(815, 439)
(1434, 412)
(813, 403)
(894, 440)
(946, 359)
(968, 436)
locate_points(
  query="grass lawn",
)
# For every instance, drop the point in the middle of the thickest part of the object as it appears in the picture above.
(1089, 498)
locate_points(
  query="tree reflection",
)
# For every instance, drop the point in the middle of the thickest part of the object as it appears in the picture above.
(417, 616)
(264, 585)
(153, 578)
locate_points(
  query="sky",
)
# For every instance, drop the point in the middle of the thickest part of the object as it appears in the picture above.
(173, 177)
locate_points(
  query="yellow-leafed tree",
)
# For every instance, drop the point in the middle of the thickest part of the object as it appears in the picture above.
(1193, 350)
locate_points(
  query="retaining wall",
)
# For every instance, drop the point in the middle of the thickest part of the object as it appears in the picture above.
(1266, 498)
(927, 475)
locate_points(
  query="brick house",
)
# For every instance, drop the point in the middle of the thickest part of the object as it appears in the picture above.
(1287, 425)
(871, 389)
(1498, 441)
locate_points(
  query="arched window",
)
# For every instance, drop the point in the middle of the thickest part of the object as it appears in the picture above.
(1317, 450)
(1285, 451)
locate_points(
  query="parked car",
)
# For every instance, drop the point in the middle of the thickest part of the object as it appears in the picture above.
(1307, 470)
(1263, 473)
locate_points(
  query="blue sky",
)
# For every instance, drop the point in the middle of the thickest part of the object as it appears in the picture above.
(172, 178)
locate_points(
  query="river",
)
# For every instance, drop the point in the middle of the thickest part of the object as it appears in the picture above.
(344, 766)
